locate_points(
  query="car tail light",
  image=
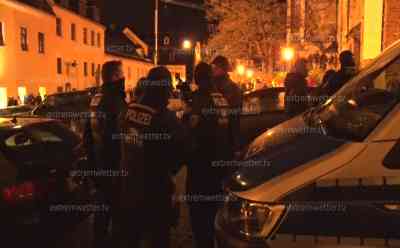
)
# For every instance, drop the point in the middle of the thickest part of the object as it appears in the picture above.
(19, 193)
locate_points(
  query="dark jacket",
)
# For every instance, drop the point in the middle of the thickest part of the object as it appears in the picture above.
(233, 94)
(212, 142)
(338, 80)
(102, 129)
(296, 93)
(153, 149)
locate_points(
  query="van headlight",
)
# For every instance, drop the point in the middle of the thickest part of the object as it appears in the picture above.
(251, 220)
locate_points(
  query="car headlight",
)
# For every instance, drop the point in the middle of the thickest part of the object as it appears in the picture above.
(251, 220)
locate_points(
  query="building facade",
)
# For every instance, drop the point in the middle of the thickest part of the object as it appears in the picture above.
(312, 30)
(48, 46)
(367, 27)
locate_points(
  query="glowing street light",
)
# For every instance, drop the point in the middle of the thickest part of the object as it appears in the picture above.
(288, 53)
(187, 44)
(241, 70)
(250, 73)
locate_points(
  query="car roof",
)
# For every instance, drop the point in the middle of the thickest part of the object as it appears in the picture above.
(7, 123)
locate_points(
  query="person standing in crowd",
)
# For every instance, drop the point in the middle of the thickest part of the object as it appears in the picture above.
(210, 126)
(153, 149)
(346, 72)
(104, 148)
(296, 88)
(317, 96)
(232, 93)
(139, 90)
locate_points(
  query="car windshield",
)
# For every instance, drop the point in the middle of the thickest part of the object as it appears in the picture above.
(359, 106)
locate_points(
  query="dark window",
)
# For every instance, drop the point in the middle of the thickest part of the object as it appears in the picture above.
(93, 69)
(58, 26)
(1, 34)
(59, 66)
(41, 42)
(85, 69)
(24, 39)
(85, 40)
(98, 39)
(98, 70)
(73, 31)
(92, 38)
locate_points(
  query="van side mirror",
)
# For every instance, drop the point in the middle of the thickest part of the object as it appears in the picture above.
(392, 159)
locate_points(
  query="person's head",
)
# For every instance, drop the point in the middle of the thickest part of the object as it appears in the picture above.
(158, 87)
(112, 71)
(346, 59)
(139, 90)
(203, 76)
(300, 67)
(220, 66)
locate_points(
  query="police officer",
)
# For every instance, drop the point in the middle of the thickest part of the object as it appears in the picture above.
(296, 88)
(152, 151)
(232, 93)
(102, 141)
(346, 72)
(210, 125)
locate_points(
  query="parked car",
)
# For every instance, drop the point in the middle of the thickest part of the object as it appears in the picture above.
(40, 182)
(19, 110)
(72, 108)
(327, 178)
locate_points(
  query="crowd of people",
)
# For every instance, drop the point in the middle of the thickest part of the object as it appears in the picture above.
(29, 100)
(150, 144)
(297, 98)
(146, 140)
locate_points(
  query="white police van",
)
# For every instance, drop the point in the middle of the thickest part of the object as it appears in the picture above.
(327, 178)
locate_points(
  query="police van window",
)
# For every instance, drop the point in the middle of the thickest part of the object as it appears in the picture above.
(358, 109)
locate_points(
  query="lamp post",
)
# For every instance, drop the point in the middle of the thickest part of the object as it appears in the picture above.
(288, 56)
(156, 10)
(156, 33)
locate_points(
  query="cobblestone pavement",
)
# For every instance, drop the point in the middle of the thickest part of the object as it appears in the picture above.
(182, 234)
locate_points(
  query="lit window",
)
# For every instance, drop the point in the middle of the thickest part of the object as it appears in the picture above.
(22, 94)
(59, 66)
(42, 92)
(58, 26)
(2, 34)
(73, 31)
(24, 39)
(3, 97)
(41, 42)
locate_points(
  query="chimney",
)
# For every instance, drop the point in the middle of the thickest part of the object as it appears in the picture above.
(83, 7)
(93, 11)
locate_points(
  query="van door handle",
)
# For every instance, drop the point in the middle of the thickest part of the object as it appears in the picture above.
(392, 207)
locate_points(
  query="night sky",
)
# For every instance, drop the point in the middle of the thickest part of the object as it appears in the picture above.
(175, 21)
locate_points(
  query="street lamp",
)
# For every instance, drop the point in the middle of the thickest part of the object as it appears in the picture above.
(187, 44)
(288, 53)
(250, 73)
(240, 70)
